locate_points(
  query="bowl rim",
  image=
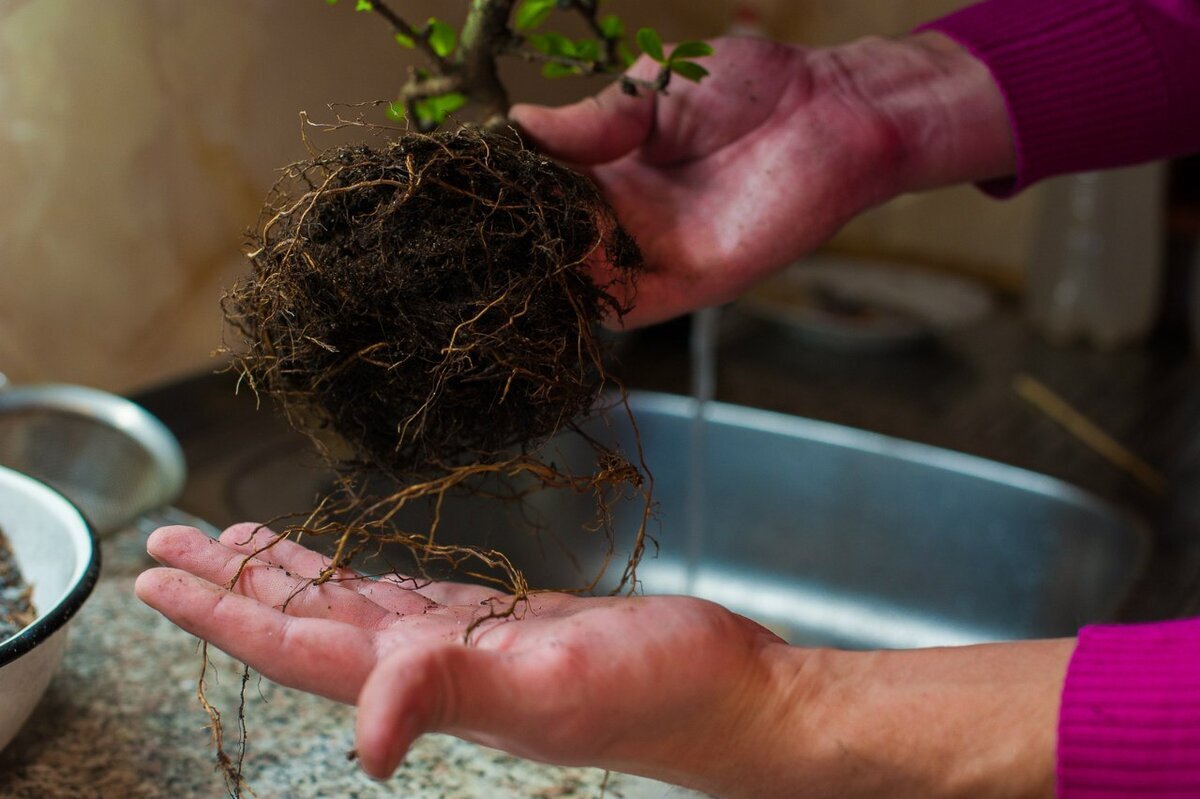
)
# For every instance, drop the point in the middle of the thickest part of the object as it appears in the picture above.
(68, 605)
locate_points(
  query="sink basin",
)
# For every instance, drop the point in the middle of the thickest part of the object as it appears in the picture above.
(826, 534)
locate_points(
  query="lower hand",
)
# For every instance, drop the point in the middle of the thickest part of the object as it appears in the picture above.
(674, 688)
(668, 687)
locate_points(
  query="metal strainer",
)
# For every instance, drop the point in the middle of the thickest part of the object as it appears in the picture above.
(113, 459)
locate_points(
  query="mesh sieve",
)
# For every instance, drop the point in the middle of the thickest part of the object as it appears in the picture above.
(110, 457)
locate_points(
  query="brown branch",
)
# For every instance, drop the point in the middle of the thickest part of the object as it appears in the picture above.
(485, 34)
(588, 10)
(628, 82)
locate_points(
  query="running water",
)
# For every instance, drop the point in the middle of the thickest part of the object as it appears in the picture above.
(704, 385)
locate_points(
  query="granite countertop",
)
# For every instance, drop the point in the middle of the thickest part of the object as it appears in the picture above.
(121, 721)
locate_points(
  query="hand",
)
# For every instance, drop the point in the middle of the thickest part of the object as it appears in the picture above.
(725, 181)
(668, 687)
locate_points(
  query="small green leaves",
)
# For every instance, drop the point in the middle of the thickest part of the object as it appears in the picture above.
(532, 13)
(689, 69)
(442, 37)
(331, 2)
(626, 55)
(556, 70)
(433, 110)
(611, 26)
(364, 5)
(651, 43)
(405, 41)
(690, 50)
(678, 61)
(587, 50)
(430, 111)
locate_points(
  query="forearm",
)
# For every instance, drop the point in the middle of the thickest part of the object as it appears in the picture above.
(940, 116)
(975, 722)
(1089, 84)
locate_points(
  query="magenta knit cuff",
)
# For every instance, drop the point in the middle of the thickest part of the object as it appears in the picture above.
(1084, 84)
(1130, 719)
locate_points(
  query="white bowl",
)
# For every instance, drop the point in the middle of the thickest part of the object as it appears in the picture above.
(57, 554)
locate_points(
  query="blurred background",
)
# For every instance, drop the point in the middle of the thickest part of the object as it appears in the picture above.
(1056, 332)
(138, 137)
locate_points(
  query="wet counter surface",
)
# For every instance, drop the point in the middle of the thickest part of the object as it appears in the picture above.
(121, 718)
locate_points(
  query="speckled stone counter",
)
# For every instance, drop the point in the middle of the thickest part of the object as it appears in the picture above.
(121, 721)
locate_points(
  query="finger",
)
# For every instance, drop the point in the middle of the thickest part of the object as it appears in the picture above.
(593, 131)
(317, 655)
(660, 297)
(273, 548)
(446, 592)
(392, 591)
(424, 689)
(190, 550)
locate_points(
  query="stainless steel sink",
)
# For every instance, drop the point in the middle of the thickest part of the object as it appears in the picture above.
(826, 534)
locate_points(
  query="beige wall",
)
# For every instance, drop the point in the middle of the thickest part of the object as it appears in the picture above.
(137, 138)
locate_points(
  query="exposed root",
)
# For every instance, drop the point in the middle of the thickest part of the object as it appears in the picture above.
(424, 311)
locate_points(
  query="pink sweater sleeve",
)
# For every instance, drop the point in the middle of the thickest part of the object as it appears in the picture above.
(1090, 84)
(1129, 725)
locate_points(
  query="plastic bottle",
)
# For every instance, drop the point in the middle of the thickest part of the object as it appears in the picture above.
(1096, 264)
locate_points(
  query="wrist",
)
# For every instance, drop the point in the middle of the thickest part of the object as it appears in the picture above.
(978, 722)
(943, 117)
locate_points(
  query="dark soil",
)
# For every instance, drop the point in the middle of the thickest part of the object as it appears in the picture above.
(16, 596)
(425, 310)
(429, 301)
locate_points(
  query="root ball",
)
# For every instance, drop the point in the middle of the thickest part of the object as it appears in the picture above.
(429, 301)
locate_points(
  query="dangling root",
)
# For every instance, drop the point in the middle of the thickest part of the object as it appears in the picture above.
(424, 311)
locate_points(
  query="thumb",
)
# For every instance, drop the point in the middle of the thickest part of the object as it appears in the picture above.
(593, 131)
(417, 691)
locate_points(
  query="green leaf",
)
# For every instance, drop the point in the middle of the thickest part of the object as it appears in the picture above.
(611, 26)
(690, 50)
(331, 2)
(651, 43)
(587, 50)
(364, 5)
(552, 44)
(532, 13)
(405, 41)
(395, 111)
(434, 110)
(554, 70)
(442, 37)
(626, 55)
(689, 69)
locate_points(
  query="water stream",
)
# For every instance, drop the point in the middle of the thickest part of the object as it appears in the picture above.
(703, 352)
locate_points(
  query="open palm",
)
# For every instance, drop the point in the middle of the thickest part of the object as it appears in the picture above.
(614, 682)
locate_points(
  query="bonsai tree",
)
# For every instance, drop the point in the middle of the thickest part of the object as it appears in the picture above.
(423, 307)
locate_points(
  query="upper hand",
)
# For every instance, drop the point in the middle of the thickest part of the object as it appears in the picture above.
(726, 181)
